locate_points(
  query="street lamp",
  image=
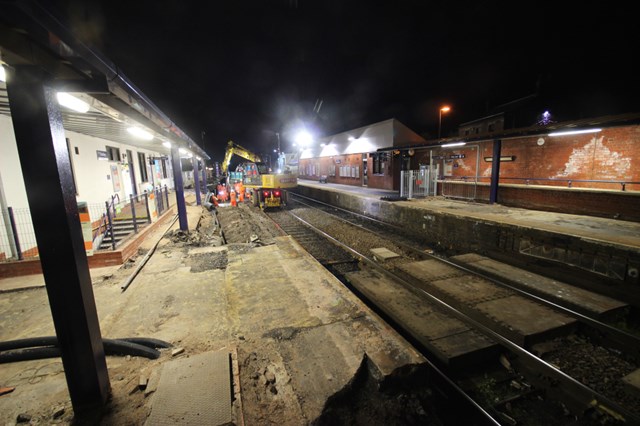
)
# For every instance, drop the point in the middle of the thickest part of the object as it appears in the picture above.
(443, 109)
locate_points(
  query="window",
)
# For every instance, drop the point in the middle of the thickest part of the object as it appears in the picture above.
(378, 163)
(113, 153)
(144, 177)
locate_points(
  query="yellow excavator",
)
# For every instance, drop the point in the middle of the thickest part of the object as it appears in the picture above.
(267, 189)
(235, 149)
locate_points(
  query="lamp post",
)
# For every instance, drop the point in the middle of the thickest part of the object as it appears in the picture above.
(443, 109)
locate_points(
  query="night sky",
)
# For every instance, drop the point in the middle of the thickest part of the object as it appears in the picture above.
(244, 70)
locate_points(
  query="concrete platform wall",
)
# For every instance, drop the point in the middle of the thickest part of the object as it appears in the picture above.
(539, 250)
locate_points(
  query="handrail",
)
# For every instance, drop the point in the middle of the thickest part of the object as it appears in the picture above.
(104, 222)
(622, 183)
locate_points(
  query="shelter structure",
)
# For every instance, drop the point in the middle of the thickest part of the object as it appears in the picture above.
(73, 127)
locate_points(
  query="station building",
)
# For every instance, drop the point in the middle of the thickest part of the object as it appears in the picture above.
(587, 166)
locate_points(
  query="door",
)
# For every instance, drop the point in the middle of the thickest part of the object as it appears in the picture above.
(365, 179)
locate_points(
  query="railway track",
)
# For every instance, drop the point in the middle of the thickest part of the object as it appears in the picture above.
(503, 360)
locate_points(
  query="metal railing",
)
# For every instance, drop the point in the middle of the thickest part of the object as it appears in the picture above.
(418, 183)
(462, 188)
(476, 187)
(17, 237)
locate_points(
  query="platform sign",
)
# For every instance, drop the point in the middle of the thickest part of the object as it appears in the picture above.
(456, 156)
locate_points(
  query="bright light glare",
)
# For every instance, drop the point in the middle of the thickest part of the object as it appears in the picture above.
(450, 145)
(445, 109)
(3, 74)
(71, 102)
(166, 144)
(575, 132)
(140, 133)
(182, 151)
(304, 138)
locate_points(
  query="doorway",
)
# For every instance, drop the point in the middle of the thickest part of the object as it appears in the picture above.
(365, 176)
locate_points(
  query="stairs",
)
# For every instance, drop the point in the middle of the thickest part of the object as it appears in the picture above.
(122, 228)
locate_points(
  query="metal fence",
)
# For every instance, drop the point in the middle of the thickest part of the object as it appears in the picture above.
(18, 239)
(462, 188)
(418, 183)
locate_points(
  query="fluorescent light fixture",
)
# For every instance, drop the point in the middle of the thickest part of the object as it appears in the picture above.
(140, 133)
(575, 132)
(71, 102)
(3, 74)
(166, 144)
(451, 145)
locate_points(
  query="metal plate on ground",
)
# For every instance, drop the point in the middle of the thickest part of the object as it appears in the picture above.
(194, 391)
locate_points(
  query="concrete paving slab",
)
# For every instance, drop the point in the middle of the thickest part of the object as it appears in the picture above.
(526, 322)
(582, 300)
(430, 270)
(382, 254)
(470, 289)
(451, 341)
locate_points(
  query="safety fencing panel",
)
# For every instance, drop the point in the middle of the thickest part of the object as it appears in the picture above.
(459, 188)
(418, 183)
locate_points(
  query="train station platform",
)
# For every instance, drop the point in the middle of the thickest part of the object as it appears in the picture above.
(598, 253)
(294, 335)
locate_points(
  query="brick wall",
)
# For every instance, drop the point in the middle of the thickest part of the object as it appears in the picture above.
(610, 155)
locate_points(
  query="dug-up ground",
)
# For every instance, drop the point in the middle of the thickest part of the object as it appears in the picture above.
(304, 349)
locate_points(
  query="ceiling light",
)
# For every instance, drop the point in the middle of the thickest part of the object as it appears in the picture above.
(140, 133)
(166, 144)
(450, 145)
(71, 102)
(3, 74)
(575, 132)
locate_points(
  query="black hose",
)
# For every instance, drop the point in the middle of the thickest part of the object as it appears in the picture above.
(148, 342)
(47, 347)
(28, 354)
(120, 347)
(29, 343)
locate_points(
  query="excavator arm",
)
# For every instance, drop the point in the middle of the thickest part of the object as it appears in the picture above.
(240, 151)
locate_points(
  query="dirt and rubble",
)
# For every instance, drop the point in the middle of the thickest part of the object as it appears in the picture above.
(303, 354)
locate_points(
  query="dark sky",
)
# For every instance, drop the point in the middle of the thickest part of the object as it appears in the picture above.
(244, 70)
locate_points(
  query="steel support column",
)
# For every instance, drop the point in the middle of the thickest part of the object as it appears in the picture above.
(196, 179)
(179, 185)
(46, 168)
(495, 171)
